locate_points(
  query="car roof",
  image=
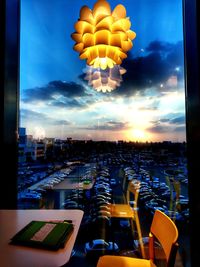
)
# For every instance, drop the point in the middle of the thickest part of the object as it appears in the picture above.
(99, 241)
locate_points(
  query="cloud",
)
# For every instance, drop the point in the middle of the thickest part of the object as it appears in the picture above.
(40, 118)
(156, 46)
(176, 58)
(172, 122)
(66, 102)
(56, 93)
(164, 120)
(178, 120)
(180, 129)
(160, 69)
(71, 89)
(172, 118)
(60, 122)
(151, 106)
(110, 126)
(163, 61)
(158, 129)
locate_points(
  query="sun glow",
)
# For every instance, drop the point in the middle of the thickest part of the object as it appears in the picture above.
(39, 133)
(137, 135)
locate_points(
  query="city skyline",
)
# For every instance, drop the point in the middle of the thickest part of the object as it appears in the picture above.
(56, 100)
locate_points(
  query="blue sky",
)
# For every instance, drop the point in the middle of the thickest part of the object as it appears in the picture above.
(55, 99)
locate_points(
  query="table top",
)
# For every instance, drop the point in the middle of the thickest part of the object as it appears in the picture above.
(66, 184)
(11, 221)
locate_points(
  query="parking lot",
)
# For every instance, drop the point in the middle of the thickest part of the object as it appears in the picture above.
(106, 185)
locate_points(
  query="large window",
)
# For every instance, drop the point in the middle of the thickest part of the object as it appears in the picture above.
(56, 100)
(77, 142)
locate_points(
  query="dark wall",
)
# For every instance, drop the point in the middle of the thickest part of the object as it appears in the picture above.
(192, 46)
(2, 69)
(9, 102)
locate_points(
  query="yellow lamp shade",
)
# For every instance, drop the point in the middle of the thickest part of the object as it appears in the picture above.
(103, 37)
(119, 12)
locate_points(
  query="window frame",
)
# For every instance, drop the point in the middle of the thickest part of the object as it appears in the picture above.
(10, 23)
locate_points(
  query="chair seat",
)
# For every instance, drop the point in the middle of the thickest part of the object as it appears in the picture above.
(121, 261)
(121, 211)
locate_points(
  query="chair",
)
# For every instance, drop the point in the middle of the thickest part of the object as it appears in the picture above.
(162, 229)
(126, 210)
(129, 209)
(134, 188)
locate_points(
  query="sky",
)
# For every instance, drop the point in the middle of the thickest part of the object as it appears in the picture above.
(57, 101)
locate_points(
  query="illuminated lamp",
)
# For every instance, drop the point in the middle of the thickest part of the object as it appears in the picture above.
(103, 37)
(104, 80)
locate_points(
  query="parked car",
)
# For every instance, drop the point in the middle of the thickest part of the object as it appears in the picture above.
(98, 247)
(113, 181)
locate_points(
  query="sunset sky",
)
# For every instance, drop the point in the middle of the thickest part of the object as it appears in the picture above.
(56, 100)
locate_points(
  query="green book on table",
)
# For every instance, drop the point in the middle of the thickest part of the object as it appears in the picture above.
(42, 234)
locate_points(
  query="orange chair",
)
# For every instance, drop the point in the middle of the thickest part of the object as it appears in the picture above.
(127, 210)
(163, 230)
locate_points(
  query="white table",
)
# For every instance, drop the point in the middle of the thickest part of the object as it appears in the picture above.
(11, 221)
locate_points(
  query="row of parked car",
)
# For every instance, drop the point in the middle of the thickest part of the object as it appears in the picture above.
(95, 203)
(158, 195)
(99, 216)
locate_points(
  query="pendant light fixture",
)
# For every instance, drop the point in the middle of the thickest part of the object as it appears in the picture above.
(103, 37)
(104, 80)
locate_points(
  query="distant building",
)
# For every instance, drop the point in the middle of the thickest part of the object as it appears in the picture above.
(22, 145)
(28, 148)
(39, 150)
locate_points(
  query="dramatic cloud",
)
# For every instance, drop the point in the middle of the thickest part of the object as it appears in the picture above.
(153, 105)
(158, 46)
(159, 68)
(39, 117)
(65, 103)
(172, 118)
(178, 120)
(172, 122)
(67, 89)
(158, 129)
(110, 126)
(56, 93)
(180, 129)
(149, 101)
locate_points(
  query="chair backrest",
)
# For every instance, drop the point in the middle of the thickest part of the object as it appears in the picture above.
(134, 188)
(166, 232)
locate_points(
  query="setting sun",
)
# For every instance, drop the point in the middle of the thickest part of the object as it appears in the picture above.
(137, 135)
